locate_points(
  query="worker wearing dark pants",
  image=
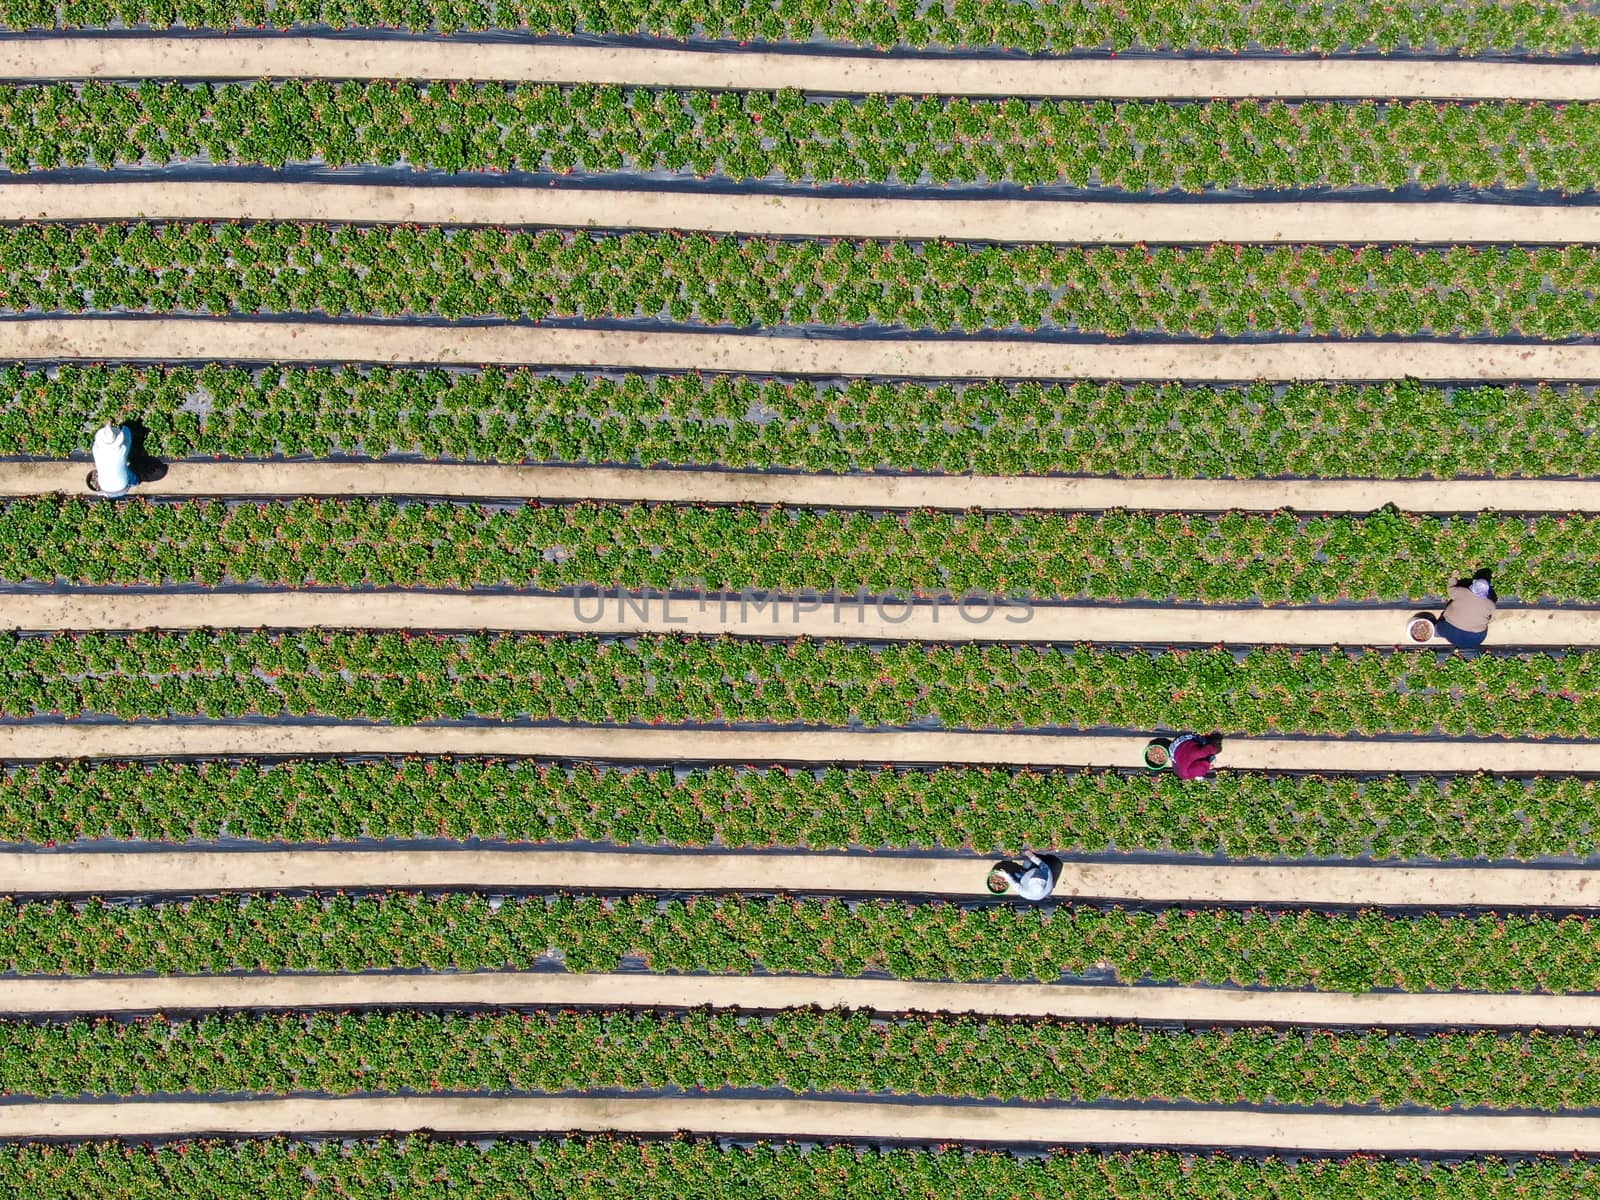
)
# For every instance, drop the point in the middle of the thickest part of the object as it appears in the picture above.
(1465, 619)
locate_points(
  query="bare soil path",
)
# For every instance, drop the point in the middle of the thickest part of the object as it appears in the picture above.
(146, 870)
(208, 339)
(240, 56)
(764, 993)
(1075, 221)
(150, 739)
(952, 492)
(871, 1121)
(845, 617)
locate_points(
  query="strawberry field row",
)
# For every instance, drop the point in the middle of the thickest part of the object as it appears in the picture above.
(1115, 556)
(1131, 145)
(292, 267)
(1211, 25)
(1462, 26)
(800, 1052)
(598, 1168)
(1080, 812)
(404, 678)
(516, 415)
(934, 941)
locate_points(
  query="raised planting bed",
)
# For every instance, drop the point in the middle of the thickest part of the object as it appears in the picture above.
(1336, 952)
(797, 1052)
(1084, 812)
(391, 271)
(1237, 558)
(783, 136)
(403, 679)
(1213, 26)
(594, 1167)
(514, 415)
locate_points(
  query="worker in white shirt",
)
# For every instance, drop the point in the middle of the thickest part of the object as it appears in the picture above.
(1036, 881)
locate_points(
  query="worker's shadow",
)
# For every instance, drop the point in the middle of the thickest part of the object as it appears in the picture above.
(145, 468)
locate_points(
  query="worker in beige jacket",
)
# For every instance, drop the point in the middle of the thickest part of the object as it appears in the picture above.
(1465, 619)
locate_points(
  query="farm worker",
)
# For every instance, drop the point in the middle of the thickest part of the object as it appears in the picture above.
(1037, 881)
(1465, 619)
(1192, 755)
(113, 474)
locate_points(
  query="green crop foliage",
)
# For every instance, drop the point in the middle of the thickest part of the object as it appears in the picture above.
(739, 936)
(1442, 26)
(1394, 431)
(1117, 556)
(598, 1168)
(1135, 146)
(726, 282)
(797, 1052)
(800, 140)
(404, 678)
(988, 810)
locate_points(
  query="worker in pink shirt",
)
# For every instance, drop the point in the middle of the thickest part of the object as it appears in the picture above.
(1192, 755)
